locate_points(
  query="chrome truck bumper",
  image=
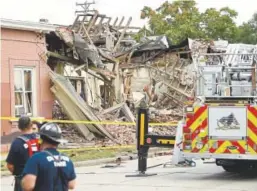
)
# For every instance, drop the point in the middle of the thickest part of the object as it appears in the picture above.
(218, 156)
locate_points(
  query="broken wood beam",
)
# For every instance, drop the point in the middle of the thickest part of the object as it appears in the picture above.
(177, 90)
(92, 21)
(78, 105)
(122, 35)
(101, 72)
(115, 21)
(151, 67)
(122, 27)
(172, 97)
(82, 23)
(112, 109)
(60, 68)
(63, 58)
(127, 112)
(79, 68)
(99, 78)
(121, 21)
(66, 105)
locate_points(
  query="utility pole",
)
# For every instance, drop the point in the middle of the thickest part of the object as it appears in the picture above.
(85, 7)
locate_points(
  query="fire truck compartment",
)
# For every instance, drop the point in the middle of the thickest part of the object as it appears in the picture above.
(227, 123)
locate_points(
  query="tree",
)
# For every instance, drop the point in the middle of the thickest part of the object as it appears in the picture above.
(182, 19)
(248, 31)
(219, 24)
(177, 20)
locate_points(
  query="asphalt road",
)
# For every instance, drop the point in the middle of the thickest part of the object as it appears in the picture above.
(206, 177)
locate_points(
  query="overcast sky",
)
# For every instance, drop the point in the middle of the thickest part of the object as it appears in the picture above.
(63, 11)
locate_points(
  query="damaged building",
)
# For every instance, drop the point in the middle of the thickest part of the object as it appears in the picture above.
(98, 72)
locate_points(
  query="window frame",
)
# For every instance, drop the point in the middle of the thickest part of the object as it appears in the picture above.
(22, 69)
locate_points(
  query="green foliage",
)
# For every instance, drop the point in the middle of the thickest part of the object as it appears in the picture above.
(181, 19)
(219, 24)
(248, 31)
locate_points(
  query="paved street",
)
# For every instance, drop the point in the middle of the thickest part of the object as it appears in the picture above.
(207, 177)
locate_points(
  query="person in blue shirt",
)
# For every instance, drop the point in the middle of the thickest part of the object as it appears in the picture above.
(22, 148)
(49, 169)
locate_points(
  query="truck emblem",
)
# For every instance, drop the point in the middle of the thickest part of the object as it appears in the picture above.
(228, 123)
(232, 147)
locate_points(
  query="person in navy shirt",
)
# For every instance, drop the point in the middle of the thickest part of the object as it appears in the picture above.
(49, 169)
(21, 150)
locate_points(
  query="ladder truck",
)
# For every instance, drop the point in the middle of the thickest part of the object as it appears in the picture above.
(221, 122)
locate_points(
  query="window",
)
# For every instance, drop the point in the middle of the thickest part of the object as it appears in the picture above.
(23, 90)
(79, 85)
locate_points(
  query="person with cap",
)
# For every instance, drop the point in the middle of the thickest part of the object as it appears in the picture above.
(49, 169)
(22, 148)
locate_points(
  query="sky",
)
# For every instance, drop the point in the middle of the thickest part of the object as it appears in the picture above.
(63, 11)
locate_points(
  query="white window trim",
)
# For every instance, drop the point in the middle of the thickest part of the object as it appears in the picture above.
(33, 88)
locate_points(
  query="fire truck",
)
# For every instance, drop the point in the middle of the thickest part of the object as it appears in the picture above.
(221, 122)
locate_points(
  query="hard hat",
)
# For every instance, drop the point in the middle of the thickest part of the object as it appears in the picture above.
(201, 99)
(51, 131)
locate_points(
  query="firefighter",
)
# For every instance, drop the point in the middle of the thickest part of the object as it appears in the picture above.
(49, 169)
(22, 148)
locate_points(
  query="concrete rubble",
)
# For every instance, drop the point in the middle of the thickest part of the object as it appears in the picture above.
(112, 73)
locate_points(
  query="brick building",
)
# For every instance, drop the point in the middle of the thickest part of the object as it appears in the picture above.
(25, 83)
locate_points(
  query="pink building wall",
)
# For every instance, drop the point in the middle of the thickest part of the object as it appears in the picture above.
(22, 48)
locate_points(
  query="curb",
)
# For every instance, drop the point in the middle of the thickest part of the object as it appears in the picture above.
(108, 160)
(123, 158)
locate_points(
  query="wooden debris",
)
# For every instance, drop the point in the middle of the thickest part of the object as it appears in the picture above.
(76, 108)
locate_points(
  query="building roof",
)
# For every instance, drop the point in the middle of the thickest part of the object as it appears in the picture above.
(27, 25)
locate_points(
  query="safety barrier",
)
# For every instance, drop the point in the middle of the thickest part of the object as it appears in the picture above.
(172, 123)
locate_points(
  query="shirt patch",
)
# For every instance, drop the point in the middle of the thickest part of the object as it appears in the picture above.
(34, 147)
(63, 158)
(60, 164)
(25, 145)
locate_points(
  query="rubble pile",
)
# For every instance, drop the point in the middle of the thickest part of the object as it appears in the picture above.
(162, 116)
(69, 132)
(125, 134)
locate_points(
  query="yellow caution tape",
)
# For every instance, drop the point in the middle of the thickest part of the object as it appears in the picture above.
(97, 148)
(172, 123)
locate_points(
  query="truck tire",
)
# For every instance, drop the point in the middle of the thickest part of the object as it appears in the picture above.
(231, 168)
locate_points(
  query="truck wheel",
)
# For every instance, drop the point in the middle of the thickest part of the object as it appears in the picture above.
(231, 168)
